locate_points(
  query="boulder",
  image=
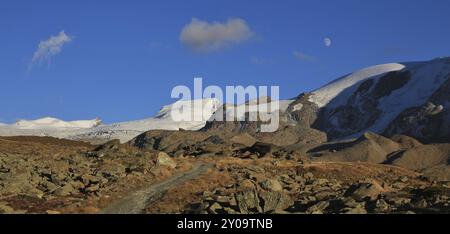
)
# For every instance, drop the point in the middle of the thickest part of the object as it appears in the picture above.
(164, 159)
(275, 201)
(248, 202)
(363, 191)
(381, 206)
(214, 208)
(271, 185)
(65, 190)
(318, 208)
(350, 202)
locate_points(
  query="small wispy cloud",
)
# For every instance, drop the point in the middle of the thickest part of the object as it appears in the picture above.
(304, 57)
(49, 48)
(202, 36)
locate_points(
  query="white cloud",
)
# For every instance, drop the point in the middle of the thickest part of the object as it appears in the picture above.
(202, 36)
(304, 57)
(50, 47)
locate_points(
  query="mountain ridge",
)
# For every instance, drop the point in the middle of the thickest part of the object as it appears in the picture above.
(393, 98)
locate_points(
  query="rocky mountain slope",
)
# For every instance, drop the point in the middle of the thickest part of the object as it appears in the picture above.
(241, 175)
(399, 98)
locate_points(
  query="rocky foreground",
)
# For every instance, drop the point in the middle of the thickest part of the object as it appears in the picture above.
(242, 174)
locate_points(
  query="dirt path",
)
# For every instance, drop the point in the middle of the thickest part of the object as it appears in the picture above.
(136, 202)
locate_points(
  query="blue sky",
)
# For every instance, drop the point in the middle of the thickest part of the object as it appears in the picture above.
(120, 59)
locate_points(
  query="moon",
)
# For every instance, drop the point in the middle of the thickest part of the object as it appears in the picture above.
(327, 41)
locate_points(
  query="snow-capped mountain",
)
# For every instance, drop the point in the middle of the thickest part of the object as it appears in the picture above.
(410, 98)
(49, 122)
(200, 111)
(338, 91)
(94, 130)
(372, 98)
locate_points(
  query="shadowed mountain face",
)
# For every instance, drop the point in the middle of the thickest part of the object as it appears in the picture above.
(411, 99)
(430, 121)
(360, 111)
